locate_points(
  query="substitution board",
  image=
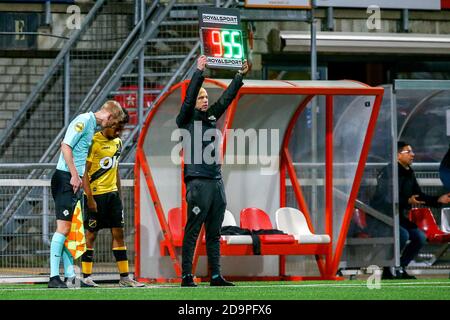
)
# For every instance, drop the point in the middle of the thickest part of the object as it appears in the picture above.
(221, 37)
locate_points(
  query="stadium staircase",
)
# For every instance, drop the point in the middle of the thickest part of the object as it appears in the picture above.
(152, 48)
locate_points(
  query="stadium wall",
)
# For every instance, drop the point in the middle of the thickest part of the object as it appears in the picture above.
(19, 76)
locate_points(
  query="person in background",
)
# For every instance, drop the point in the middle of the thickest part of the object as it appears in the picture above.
(410, 195)
(444, 171)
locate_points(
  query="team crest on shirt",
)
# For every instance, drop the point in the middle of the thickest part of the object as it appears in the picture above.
(92, 223)
(79, 126)
(196, 210)
(66, 213)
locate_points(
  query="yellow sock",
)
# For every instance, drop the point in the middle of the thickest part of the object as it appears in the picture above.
(87, 262)
(120, 253)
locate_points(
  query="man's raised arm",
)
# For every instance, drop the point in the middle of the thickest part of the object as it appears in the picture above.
(188, 106)
(218, 108)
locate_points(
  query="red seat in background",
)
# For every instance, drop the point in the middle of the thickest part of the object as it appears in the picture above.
(257, 219)
(424, 219)
(174, 220)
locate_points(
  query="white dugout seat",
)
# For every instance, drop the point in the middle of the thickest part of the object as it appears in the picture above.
(292, 221)
(229, 220)
(445, 220)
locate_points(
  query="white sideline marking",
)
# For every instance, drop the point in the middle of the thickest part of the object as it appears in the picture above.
(75, 289)
(445, 284)
(398, 284)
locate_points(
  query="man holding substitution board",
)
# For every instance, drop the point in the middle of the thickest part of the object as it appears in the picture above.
(205, 192)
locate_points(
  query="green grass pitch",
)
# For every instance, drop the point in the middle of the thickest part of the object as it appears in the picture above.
(422, 289)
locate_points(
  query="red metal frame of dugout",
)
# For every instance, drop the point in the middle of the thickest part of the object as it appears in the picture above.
(327, 268)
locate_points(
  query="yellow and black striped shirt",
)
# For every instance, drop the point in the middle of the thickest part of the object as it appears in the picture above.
(104, 156)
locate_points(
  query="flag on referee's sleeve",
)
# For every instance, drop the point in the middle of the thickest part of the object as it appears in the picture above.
(76, 240)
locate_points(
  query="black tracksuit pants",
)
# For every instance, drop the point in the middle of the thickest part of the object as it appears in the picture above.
(206, 204)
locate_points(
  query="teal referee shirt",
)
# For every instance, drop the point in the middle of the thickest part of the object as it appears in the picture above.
(79, 137)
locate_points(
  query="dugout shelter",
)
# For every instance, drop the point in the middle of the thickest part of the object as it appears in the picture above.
(338, 120)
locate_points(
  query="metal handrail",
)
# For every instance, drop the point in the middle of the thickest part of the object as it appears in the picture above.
(119, 53)
(163, 91)
(369, 210)
(48, 165)
(140, 45)
(48, 154)
(9, 130)
(425, 166)
(141, 42)
(51, 151)
(169, 84)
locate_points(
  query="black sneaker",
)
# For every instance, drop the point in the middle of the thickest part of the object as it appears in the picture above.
(220, 282)
(56, 282)
(188, 281)
(387, 274)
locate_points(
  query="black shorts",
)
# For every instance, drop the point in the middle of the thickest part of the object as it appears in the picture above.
(62, 192)
(109, 212)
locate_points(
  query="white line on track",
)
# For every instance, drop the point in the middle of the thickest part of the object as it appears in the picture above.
(445, 284)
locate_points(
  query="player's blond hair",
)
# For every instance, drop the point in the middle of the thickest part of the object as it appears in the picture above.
(114, 108)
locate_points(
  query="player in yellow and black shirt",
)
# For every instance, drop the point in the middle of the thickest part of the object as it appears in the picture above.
(103, 202)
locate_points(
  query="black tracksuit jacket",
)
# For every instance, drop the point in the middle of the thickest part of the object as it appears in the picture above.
(188, 115)
(407, 187)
